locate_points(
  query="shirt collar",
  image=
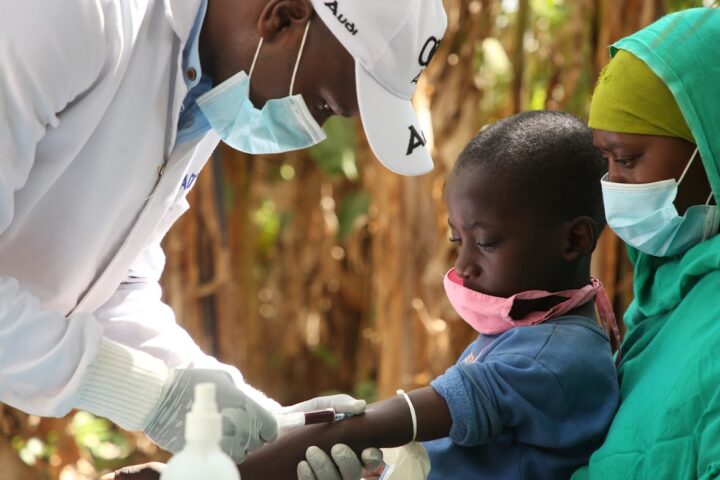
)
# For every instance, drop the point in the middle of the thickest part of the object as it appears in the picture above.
(181, 15)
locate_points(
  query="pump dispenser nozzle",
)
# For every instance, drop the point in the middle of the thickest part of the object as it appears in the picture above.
(203, 420)
(202, 457)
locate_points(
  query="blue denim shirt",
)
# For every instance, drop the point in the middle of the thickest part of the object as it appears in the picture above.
(192, 123)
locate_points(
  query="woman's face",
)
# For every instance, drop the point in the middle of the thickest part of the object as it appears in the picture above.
(634, 158)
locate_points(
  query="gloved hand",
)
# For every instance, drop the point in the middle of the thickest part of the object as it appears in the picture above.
(342, 403)
(246, 425)
(344, 464)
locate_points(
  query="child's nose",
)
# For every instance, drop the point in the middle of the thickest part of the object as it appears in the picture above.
(465, 268)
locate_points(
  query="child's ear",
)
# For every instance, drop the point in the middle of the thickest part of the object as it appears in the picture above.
(580, 238)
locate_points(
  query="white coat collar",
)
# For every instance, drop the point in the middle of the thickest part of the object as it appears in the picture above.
(181, 14)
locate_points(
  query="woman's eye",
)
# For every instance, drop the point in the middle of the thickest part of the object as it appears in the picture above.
(626, 161)
(455, 240)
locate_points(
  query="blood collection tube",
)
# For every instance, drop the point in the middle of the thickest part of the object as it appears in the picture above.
(298, 419)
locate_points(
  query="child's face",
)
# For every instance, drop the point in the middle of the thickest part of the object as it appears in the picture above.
(503, 249)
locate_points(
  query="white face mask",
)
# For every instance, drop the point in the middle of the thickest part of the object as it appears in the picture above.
(645, 217)
(281, 125)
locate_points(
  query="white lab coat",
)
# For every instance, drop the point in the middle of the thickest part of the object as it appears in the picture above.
(90, 96)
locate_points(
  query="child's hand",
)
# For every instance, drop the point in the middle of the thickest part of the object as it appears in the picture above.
(147, 471)
(375, 473)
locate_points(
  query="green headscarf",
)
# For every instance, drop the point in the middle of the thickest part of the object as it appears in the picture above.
(630, 98)
(679, 56)
(668, 423)
(683, 51)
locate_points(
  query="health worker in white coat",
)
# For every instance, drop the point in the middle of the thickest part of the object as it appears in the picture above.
(108, 110)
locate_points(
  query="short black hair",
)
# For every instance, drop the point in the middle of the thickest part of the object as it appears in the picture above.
(548, 161)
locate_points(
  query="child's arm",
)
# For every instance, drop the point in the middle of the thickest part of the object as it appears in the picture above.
(385, 424)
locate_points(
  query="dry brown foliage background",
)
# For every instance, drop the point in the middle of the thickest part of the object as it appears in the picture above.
(321, 271)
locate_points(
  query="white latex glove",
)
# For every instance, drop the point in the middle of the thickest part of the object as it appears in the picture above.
(342, 403)
(246, 425)
(344, 464)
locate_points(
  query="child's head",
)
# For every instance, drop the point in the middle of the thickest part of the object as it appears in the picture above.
(525, 205)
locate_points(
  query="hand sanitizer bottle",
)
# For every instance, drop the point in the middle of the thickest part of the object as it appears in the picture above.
(202, 457)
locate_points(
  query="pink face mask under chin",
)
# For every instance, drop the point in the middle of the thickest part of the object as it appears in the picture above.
(491, 315)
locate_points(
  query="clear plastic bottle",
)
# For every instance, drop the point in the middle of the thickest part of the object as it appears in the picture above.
(202, 456)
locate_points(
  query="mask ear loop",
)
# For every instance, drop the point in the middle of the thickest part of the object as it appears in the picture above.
(257, 53)
(687, 167)
(297, 62)
(707, 202)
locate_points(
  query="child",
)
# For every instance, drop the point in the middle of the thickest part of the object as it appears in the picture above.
(534, 394)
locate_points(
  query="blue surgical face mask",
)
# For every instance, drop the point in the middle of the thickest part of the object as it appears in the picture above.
(645, 217)
(281, 125)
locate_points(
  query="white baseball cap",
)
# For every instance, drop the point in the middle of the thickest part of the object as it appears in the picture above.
(392, 42)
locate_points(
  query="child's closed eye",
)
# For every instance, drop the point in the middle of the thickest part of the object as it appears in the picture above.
(488, 246)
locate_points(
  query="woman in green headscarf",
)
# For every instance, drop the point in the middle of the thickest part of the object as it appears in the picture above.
(655, 115)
